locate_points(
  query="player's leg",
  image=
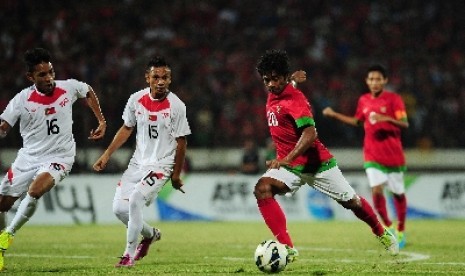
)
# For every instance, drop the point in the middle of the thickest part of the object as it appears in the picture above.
(276, 181)
(397, 187)
(142, 194)
(136, 204)
(48, 175)
(334, 184)
(149, 187)
(377, 181)
(121, 211)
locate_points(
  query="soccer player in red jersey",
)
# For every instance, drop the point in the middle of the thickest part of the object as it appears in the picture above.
(301, 157)
(382, 114)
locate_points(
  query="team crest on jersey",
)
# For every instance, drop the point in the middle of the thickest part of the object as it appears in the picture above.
(64, 102)
(152, 118)
(50, 110)
(278, 108)
(383, 109)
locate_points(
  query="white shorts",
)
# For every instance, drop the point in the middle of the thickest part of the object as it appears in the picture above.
(23, 171)
(394, 180)
(148, 182)
(330, 182)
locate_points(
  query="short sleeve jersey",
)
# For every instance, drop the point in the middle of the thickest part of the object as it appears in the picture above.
(45, 122)
(287, 113)
(158, 124)
(382, 143)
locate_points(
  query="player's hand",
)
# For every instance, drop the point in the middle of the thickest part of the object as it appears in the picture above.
(99, 132)
(101, 163)
(177, 184)
(376, 117)
(299, 76)
(276, 163)
(328, 112)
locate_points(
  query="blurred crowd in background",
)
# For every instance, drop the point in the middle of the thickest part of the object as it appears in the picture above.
(213, 47)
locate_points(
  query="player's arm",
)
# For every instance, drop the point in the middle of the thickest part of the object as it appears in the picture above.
(297, 77)
(4, 128)
(402, 123)
(93, 103)
(120, 138)
(329, 112)
(179, 159)
(308, 136)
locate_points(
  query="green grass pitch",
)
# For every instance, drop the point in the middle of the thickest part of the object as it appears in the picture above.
(435, 247)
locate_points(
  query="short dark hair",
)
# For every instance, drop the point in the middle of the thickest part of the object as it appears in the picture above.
(273, 60)
(157, 61)
(35, 56)
(377, 68)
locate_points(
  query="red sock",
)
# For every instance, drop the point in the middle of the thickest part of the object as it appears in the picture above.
(400, 203)
(275, 219)
(379, 201)
(367, 214)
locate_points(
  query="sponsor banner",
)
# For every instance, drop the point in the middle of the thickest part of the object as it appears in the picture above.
(230, 197)
(88, 199)
(80, 199)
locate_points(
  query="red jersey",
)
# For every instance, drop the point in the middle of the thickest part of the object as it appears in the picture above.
(287, 113)
(382, 143)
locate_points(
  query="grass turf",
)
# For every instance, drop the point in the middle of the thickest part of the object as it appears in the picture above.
(434, 247)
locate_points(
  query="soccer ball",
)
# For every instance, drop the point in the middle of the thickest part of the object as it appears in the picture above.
(271, 256)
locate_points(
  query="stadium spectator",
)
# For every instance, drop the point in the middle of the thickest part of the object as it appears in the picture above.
(250, 158)
(383, 115)
(301, 157)
(160, 118)
(44, 111)
(420, 41)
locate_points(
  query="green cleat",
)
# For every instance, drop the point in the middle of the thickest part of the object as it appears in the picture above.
(292, 254)
(2, 263)
(5, 241)
(401, 238)
(390, 242)
(392, 229)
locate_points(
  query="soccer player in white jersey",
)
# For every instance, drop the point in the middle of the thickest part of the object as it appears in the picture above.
(160, 119)
(44, 112)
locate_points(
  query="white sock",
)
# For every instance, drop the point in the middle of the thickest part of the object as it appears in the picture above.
(26, 209)
(121, 211)
(135, 223)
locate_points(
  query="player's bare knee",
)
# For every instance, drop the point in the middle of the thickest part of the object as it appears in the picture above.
(353, 203)
(6, 202)
(262, 189)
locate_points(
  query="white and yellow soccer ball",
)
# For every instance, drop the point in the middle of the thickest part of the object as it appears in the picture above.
(271, 256)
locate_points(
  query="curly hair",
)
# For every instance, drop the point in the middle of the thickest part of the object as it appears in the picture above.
(273, 61)
(35, 56)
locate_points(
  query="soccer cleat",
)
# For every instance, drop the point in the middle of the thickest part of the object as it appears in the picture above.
(401, 238)
(390, 242)
(2, 264)
(392, 229)
(5, 240)
(144, 245)
(292, 254)
(126, 261)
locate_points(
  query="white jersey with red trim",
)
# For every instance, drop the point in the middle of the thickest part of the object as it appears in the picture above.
(159, 123)
(45, 122)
